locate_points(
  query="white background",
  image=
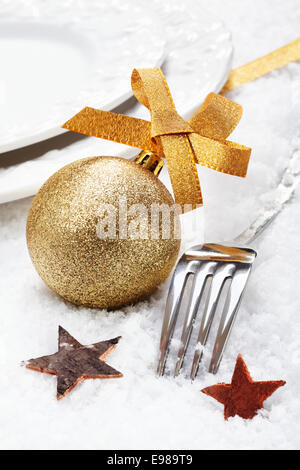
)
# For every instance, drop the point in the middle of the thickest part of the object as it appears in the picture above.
(140, 410)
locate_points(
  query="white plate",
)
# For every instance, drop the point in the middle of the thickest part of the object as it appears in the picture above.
(199, 59)
(57, 57)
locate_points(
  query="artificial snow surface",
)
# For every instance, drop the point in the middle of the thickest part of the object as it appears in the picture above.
(140, 410)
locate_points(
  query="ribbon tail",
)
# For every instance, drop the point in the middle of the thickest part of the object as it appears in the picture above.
(259, 67)
(223, 156)
(183, 171)
(111, 126)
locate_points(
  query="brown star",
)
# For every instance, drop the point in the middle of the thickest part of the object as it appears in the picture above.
(74, 362)
(243, 396)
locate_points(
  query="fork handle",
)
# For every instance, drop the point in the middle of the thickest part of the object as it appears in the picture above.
(281, 195)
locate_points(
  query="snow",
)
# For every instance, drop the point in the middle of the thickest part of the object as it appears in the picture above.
(141, 410)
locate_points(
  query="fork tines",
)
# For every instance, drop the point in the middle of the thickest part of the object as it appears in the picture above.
(219, 263)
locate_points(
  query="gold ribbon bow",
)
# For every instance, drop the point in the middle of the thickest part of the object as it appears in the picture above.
(183, 144)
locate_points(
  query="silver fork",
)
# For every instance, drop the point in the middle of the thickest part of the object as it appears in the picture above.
(220, 262)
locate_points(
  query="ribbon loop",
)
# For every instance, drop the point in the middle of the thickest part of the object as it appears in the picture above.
(151, 89)
(183, 144)
(217, 117)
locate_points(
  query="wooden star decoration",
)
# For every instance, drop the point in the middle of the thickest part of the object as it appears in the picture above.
(243, 396)
(73, 362)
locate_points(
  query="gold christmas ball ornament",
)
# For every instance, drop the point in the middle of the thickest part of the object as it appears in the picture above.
(101, 232)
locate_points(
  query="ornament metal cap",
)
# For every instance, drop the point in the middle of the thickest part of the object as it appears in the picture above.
(150, 160)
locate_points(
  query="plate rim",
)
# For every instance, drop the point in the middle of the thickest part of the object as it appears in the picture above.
(15, 142)
(57, 130)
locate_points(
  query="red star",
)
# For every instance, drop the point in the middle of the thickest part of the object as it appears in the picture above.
(243, 396)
